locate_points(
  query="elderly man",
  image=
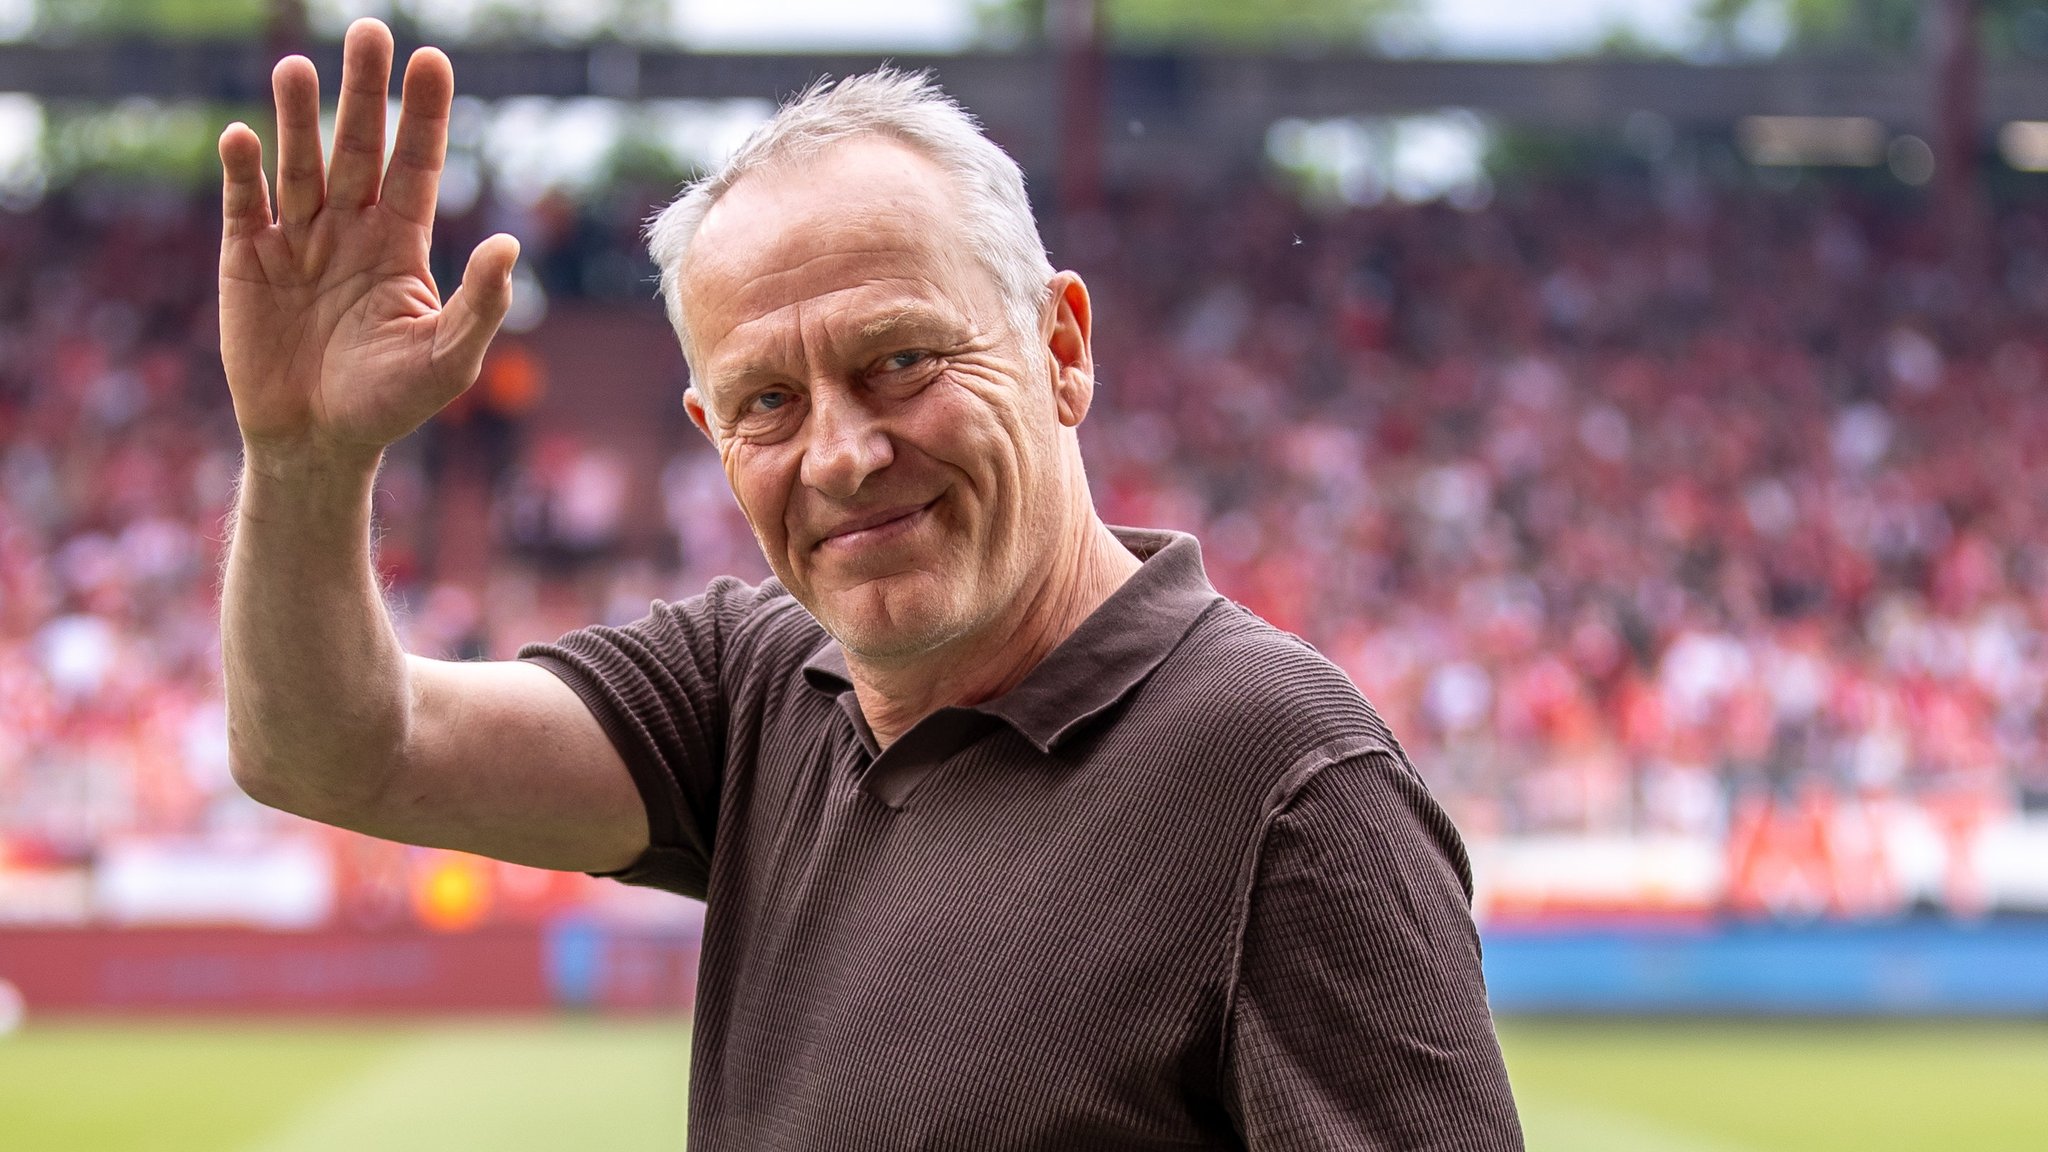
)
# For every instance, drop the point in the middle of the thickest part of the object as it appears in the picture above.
(1013, 833)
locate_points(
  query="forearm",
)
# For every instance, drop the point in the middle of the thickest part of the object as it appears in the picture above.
(318, 702)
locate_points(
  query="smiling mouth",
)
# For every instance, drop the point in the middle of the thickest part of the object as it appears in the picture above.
(881, 526)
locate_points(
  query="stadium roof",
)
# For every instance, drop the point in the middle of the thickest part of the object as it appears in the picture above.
(1159, 107)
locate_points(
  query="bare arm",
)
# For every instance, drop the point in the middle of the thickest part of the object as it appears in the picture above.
(336, 343)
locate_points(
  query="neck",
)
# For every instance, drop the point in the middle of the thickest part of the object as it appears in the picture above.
(1092, 564)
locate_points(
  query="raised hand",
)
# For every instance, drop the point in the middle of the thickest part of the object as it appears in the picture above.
(334, 336)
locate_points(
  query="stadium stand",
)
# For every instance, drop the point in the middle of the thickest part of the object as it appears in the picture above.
(1641, 508)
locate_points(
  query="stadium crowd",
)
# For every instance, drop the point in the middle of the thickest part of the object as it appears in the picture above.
(117, 460)
(1621, 499)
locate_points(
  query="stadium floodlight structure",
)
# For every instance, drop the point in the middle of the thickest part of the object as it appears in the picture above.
(1958, 134)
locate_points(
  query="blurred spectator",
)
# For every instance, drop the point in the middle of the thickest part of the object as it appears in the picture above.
(485, 427)
(565, 507)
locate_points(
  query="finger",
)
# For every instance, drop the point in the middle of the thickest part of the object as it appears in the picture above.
(471, 316)
(245, 196)
(301, 177)
(414, 177)
(359, 121)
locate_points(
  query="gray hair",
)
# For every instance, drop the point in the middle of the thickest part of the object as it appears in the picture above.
(907, 107)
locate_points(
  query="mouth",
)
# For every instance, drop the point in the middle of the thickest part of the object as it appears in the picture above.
(878, 527)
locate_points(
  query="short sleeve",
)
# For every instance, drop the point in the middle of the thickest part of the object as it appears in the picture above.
(1358, 1014)
(657, 687)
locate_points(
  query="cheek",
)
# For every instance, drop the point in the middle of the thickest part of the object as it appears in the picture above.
(760, 479)
(971, 423)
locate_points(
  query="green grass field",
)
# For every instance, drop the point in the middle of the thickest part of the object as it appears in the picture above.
(1585, 1086)
(507, 1087)
(1769, 1086)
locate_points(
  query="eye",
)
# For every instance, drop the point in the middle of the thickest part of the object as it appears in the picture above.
(910, 358)
(768, 416)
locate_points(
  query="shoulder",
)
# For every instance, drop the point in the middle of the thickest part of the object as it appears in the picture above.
(1252, 693)
(727, 634)
(1237, 649)
(1240, 669)
(767, 623)
(738, 618)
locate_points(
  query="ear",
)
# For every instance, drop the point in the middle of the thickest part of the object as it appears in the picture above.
(694, 405)
(1069, 344)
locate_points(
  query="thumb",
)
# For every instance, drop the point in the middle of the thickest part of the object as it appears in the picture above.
(471, 317)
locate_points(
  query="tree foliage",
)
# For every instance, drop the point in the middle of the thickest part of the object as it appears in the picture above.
(543, 20)
(135, 141)
(536, 20)
(1889, 27)
(184, 18)
(1250, 24)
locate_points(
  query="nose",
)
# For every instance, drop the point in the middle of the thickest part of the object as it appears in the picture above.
(847, 445)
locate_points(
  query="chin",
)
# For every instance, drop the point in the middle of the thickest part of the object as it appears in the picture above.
(897, 618)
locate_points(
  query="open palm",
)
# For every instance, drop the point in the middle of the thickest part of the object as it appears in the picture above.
(333, 334)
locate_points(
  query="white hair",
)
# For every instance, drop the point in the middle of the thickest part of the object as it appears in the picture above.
(907, 107)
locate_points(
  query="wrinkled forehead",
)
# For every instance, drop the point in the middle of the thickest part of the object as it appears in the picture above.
(866, 222)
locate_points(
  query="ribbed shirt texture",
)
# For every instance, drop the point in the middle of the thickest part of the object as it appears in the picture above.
(1179, 889)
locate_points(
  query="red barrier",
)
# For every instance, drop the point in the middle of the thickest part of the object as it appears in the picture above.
(242, 971)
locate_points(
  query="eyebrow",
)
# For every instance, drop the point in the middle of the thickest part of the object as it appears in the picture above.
(907, 319)
(727, 379)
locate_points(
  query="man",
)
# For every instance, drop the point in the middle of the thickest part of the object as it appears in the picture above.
(1013, 834)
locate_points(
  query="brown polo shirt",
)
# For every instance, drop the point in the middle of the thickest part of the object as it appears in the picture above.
(1178, 889)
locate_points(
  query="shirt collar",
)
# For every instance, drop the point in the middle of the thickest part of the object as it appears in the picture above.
(1113, 650)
